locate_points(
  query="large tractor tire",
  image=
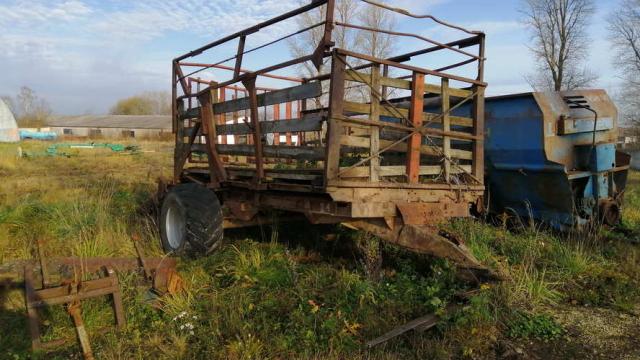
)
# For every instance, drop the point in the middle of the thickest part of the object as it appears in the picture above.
(191, 221)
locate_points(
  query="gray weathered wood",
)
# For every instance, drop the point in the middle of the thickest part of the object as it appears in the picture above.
(311, 122)
(284, 152)
(295, 93)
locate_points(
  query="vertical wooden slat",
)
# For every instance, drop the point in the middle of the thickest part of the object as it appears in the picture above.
(222, 118)
(446, 126)
(385, 73)
(374, 164)
(336, 109)
(250, 85)
(288, 116)
(216, 167)
(415, 116)
(276, 117)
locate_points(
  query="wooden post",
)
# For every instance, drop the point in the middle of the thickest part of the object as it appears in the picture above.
(336, 109)
(222, 118)
(446, 127)
(374, 164)
(276, 117)
(250, 85)
(415, 116)
(288, 116)
(216, 167)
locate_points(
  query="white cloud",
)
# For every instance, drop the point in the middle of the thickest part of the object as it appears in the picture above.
(36, 13)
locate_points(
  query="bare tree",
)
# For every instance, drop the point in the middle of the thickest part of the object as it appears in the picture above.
(29, 109)
(307, 42)
(624, 32)
(560, 42)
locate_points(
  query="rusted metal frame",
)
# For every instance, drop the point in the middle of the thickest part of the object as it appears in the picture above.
(336, 110)
(410, 67)
(374, 141)
(395, 33)
(70, 294)
(257, 73)
(260, 47)
(224, 67)
(446, 126)
(230, 87)
(250, 84)
(406, 57)
(415, 115)
(431, 17)
(217, 171)
(291, 202)
(314, 4)
(239, 55)
(326, 43)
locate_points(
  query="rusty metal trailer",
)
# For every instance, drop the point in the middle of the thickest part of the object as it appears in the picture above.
(352, 144)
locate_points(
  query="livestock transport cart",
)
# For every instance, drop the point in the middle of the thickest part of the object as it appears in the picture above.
(351, 143)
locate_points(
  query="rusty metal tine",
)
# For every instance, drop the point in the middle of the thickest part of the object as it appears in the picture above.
(117, 297)
(143, 263)
(75, 310)
(32, 313)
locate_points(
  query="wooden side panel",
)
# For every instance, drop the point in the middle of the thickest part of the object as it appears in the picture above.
(304, 91)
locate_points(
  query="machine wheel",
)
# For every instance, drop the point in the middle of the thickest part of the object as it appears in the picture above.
(191, 221)
(610, 213)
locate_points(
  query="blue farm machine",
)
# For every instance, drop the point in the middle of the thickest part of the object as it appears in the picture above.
(551, 157)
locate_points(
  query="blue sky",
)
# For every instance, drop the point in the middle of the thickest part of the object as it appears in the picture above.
(84, 55)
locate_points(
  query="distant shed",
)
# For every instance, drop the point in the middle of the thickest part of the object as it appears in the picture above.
(8, 125)
(112, 126)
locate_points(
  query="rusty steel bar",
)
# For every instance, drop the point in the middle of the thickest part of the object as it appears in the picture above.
(253, 29)
(444, 46)
(431, 17)
(411, 68)
(224, 67)
(259, 47)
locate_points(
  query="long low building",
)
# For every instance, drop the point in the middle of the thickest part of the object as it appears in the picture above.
(112, 126)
